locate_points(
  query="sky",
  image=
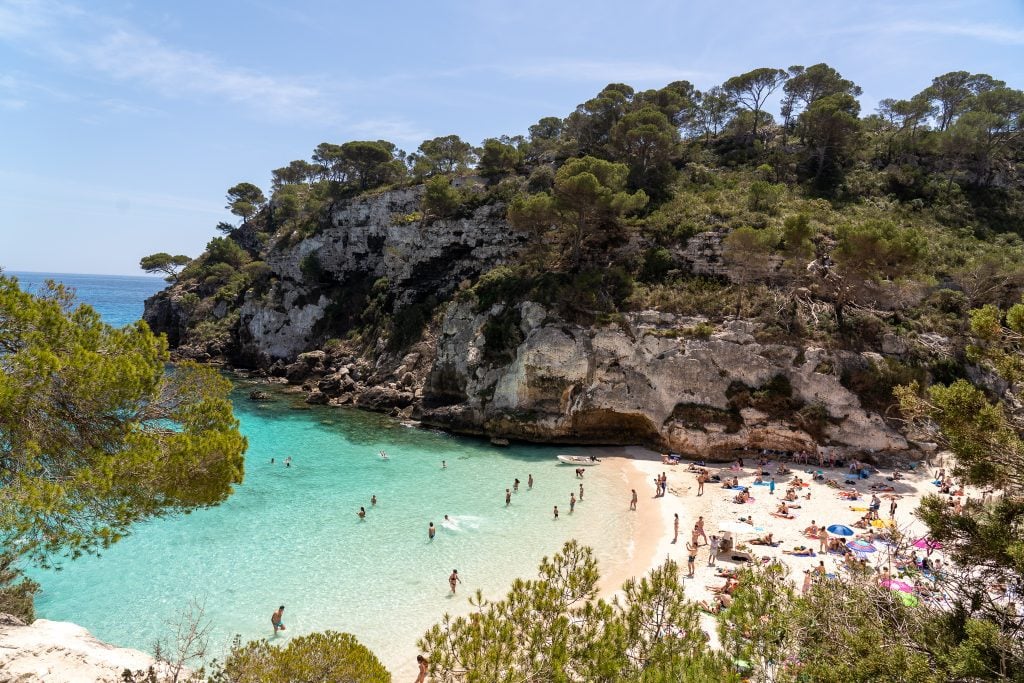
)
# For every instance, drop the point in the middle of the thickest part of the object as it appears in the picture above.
(122, 124)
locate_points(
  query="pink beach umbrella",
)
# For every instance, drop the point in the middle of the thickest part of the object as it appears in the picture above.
(896, 585)
(861, 546)
(927, 544)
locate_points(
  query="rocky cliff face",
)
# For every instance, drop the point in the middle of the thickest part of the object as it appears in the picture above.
(57, 652)
(646, 381)
(652, 378)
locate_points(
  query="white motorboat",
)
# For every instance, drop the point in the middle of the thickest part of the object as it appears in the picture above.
(584, 460)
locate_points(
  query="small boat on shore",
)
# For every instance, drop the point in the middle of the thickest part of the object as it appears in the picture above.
(584, 460)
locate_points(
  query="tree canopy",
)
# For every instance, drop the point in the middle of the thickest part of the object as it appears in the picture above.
(98, 434)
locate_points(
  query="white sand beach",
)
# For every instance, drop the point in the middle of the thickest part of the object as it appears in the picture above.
(654, 541)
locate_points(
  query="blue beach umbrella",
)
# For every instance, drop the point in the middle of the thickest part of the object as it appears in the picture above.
(840, 530)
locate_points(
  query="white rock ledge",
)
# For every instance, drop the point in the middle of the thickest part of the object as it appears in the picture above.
(61, 652)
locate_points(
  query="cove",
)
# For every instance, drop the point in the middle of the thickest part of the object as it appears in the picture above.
(291, 536)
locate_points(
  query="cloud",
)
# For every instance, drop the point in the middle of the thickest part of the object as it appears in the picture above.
(111, 48)
(991, 33)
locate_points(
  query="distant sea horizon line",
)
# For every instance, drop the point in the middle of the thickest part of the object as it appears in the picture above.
(15, 272)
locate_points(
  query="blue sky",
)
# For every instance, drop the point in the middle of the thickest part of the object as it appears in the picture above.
(123, 123)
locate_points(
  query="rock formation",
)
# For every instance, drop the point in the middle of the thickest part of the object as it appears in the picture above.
(58, 652)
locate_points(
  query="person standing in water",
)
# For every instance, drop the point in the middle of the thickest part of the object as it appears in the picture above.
(276, 620)
(632, 501)
(556, 512)
(373, 500)
(431, 531)
(454, 579)
(362, 513)
(529, 482)
(444, 465)
(572, 502)
(508, 497)
(515, 486)
(581, 492)
(288, 461)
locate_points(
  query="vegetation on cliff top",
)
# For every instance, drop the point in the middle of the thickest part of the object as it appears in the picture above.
(830, 224)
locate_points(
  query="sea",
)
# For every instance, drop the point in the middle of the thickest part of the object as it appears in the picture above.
(290, 535)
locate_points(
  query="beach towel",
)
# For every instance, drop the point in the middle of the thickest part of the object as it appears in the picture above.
(856, 508)
(762, 483)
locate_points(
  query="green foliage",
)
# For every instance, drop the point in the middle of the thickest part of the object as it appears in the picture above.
(552, 628)
(647, 142)
(878, 250)
(245, 199)
(586, 207)
(97, 434)
(500, 285)
(498, 158)
(359, 165)
(163, 262)
(225, 250)
(16, 591)
(658, 262)
(311, 269)
(752, 89)
(321, 657)
(440, 199)
(442, 156)
(765, 196)
(407, 323)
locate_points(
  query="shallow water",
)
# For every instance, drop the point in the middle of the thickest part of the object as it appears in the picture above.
(291, 536)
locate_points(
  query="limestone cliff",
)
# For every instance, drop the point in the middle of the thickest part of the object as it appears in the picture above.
(672, 382)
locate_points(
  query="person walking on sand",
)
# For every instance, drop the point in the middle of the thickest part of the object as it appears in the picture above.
(700, 484)
(508, 497)
(529, 482)
(454, 579)
(675, 524)
(423, 664)
(632, 501)
(556, 512)
(771, 487)
(712, 550)
(572, 502)
(691, 557)
(699, 527)
(822, 539)
(892, 509)
(276, 620)
(431, 531)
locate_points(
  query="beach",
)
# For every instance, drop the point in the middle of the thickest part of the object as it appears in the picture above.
(652, 541)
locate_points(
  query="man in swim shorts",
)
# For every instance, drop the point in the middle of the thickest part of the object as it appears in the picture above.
(276, 619)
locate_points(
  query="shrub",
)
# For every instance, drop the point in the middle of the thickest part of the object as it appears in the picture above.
(321, 656)
(440, 199)
(658, 262)
(765, 196)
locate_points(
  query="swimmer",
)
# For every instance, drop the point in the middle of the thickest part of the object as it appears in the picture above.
(288, 461)
(508, 497)
(373, 499)
(362, 513)
(276, 620)
(271, 461)
(431, 531)
(383, 455)
(444, 465)
(453, 579)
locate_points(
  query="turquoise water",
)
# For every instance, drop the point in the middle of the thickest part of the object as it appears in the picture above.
(291, 536)
(118, 298)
